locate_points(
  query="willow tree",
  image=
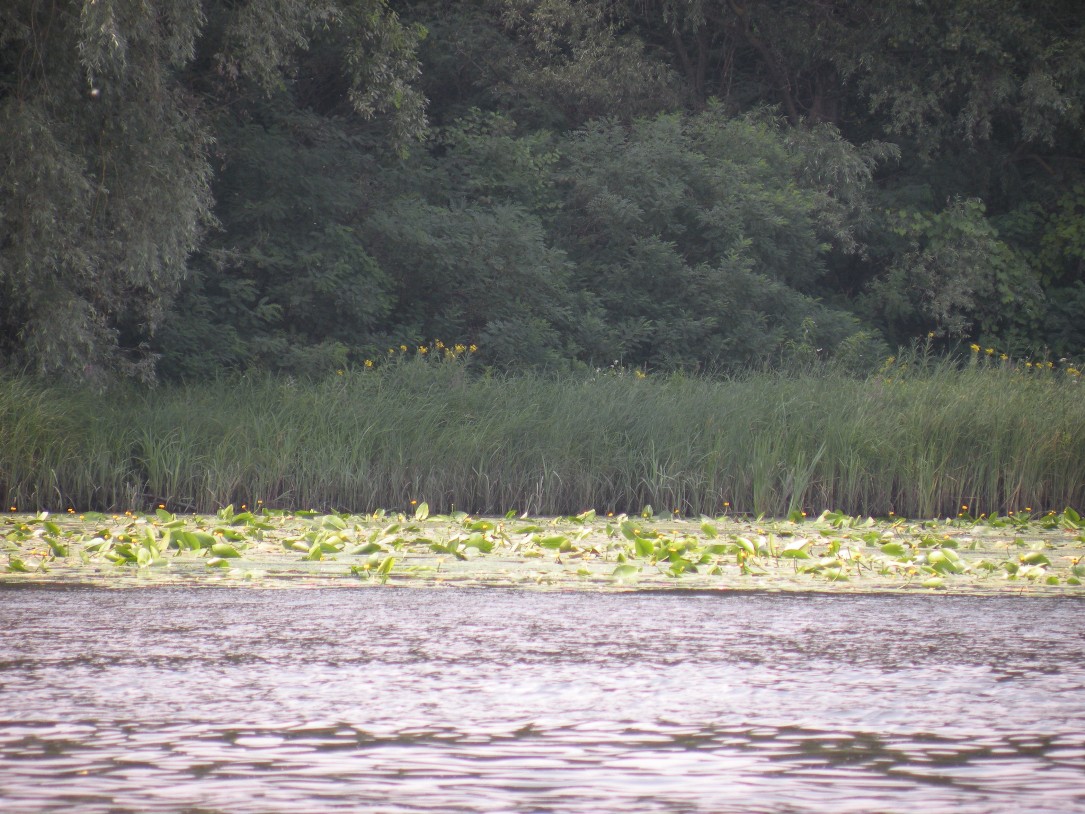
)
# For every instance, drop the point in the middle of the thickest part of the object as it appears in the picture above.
(106, 159)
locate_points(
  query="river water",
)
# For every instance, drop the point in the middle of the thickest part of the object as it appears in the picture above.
(403, 700)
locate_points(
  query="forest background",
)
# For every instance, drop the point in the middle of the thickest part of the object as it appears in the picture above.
(190, 187)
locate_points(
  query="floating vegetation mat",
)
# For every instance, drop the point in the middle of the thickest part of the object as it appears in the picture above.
(835, 552)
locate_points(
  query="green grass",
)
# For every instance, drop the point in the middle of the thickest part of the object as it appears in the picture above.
(921, 439)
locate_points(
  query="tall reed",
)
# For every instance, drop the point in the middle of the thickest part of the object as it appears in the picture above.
(924, 438)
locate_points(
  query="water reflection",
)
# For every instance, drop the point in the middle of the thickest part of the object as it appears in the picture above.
(399, 700)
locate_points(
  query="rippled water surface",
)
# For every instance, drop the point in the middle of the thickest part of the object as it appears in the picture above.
(233, 700)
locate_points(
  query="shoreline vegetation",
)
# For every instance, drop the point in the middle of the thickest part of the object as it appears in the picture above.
(1018, 554)
(922, 437)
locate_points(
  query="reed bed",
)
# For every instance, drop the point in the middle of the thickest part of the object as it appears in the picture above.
(923, 438)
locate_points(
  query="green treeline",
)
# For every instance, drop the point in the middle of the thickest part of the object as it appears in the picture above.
(921, 438)
(192, 189)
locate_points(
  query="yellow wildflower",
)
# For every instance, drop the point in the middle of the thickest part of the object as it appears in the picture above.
(473, 348)
(990, 351)
(975, 348)
(368, 363)
(423, 349)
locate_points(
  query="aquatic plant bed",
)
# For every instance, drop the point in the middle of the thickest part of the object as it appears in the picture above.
(834, 552)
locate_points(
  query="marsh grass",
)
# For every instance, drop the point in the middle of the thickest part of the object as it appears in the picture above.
(922, 438)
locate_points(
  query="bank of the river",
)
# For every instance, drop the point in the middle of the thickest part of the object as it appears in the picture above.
(1017, 554)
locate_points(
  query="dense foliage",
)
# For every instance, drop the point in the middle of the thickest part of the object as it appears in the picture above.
(188, 186)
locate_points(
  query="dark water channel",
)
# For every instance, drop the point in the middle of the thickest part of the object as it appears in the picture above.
(389, 700)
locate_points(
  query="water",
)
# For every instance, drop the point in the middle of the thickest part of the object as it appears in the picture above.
(389, 700)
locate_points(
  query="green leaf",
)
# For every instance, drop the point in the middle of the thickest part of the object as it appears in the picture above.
(58, 548)
(1034, 558)
(224, 550)
(625, 573)
(552, 541)
(480, 542)
(746, 545)
(333, 522)
(643, 547)
(422, 512)
(894, 550)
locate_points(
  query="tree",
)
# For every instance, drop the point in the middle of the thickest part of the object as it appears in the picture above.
(704, 236)
(108, 110)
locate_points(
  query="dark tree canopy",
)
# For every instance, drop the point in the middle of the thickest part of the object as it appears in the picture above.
(189, 186)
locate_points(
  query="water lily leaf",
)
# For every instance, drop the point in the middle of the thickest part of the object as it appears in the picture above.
(894, 550)
(333, 522)
(224, 550)
(625, 573)
(422, 511)
(795, 554)
(218, 562)
(552, 541)
(746, 545)
(479, 542)
(365, 548)
(709, 531)
(643, 547)
(1034, 558)
(934, 582)
(204, 539)
(58, 548)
